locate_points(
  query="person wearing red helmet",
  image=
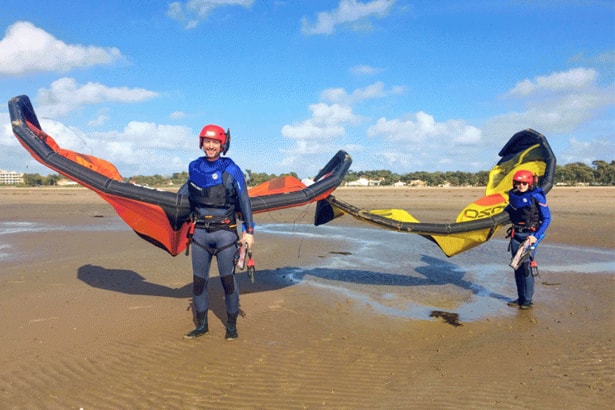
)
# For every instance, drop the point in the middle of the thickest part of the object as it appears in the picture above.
(530, 216)
(218, 195)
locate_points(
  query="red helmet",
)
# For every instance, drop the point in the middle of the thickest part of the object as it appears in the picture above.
(524, 176)
(217, 133)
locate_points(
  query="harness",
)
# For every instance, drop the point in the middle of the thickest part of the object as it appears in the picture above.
(524, 219)
(518, 228)
(214, 200)
(211, 224)
(219, 200)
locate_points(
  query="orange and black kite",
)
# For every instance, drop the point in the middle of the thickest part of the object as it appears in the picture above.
(160, 217)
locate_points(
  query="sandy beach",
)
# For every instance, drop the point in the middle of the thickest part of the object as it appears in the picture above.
(92, 316)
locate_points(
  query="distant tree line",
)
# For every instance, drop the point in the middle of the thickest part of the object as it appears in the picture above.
(599, 173)
(438, 178)
(38, 180)
(602, 173)
(179, 178)
(255, 178)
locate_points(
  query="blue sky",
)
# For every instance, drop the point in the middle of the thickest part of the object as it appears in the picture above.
(401, 85)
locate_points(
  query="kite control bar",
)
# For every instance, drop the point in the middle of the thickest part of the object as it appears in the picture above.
(240, 256)
(525, 251)
(243, 258)
(522, 254)
(251, 266)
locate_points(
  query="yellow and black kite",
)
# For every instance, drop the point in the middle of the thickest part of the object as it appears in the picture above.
(478, 221)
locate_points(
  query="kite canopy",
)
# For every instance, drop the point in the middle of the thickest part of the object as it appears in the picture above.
(480, 220)
(159, 217)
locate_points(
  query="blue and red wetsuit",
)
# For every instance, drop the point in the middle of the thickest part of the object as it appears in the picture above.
(218, 192)
(530, 215)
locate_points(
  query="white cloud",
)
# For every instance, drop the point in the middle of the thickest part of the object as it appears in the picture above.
(177, 115)
(365, 70)
(68, 137)
(422, 128)
(6, 132)
(565, 81)
(29, 49)
(316, 136)
(555, 103)
(372, 91)
(158, 136)
(66, 95)
(419, 142)
(350, 12)
(398, 142)
(327, 122)
(191, 12)
(98, 121)
(587, 151)
(139, 148)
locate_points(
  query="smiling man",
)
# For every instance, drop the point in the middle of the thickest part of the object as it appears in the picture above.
(218, 194)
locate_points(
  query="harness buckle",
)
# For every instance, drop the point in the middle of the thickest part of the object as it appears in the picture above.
(213, 224)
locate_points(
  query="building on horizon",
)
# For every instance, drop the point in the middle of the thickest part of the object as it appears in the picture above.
(363, 181)
(11, 177)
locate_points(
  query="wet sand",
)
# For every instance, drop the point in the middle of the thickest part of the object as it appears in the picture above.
(93, 317)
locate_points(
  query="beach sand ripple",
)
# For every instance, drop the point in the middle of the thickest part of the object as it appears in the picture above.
(93, 317)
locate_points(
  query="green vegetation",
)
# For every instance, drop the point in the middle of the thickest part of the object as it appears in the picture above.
(37, 180)
(601, 173)
(255, 178)
(455, 178)
(177, 179)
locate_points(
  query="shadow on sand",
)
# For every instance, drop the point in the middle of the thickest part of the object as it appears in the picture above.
(433, 272)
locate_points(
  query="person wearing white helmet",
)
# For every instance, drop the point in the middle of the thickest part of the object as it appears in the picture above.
(218, 195)
(530, 216)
